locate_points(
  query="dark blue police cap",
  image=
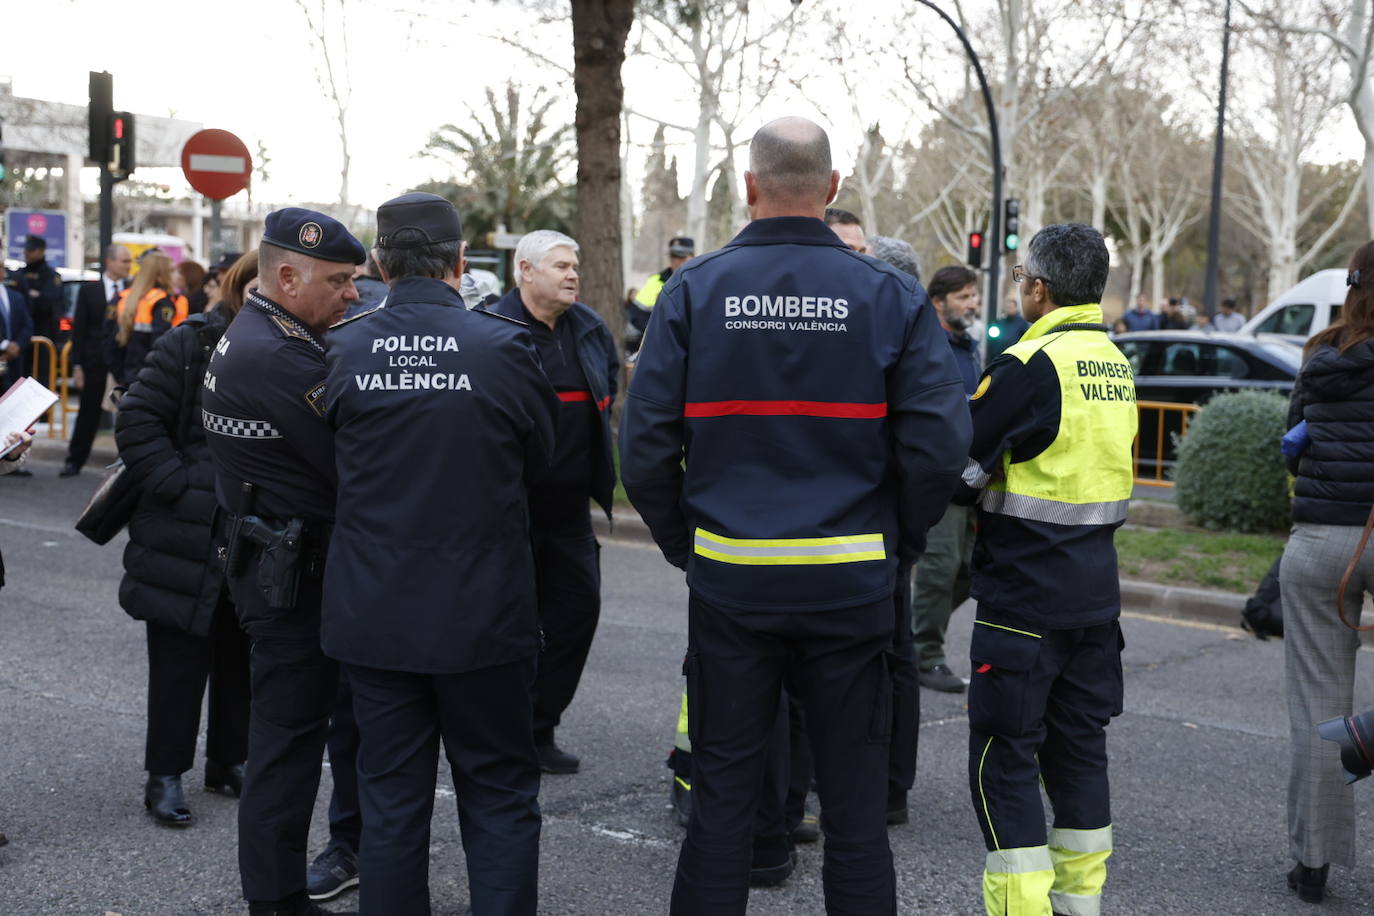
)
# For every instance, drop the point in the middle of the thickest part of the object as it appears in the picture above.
(416, 219)
(314, 234)
(35, 243)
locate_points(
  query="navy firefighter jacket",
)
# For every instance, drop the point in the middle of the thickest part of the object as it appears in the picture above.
(796, 422)
(441, 419)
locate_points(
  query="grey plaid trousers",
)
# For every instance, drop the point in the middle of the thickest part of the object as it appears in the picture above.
(1319, 676)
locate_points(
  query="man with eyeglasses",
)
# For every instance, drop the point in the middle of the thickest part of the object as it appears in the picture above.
(1050, 470)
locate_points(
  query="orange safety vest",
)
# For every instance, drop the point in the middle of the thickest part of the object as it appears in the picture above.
(143, 314)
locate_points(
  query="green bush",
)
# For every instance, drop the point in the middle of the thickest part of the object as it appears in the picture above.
(1230, 474)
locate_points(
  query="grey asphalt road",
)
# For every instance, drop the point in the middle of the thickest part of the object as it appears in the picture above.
(1199, 762)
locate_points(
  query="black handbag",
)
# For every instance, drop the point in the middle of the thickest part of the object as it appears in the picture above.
(116, 499)
(111, 506)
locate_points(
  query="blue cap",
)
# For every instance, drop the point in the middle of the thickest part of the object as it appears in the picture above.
(314, 234)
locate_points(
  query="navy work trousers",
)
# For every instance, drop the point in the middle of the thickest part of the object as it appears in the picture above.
(567, 561)
(345, 815)
(483, 717)
(736, 664)
(1038, 707)
(293, 689)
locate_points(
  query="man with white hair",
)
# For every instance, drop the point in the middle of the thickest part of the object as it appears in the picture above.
(579, 357)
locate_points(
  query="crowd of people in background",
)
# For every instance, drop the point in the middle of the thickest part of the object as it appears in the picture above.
(1179, 314)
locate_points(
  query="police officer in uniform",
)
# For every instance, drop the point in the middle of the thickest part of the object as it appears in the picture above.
(577, 353)
(1054, 418)
(41, 287)
(827, 428)
(263, 409)
(442, 419)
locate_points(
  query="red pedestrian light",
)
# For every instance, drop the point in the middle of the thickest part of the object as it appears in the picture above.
(975, 250)
(119, 129)
(975, 240)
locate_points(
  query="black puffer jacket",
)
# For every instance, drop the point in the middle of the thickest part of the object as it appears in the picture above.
(171, 575)
(1335, 395)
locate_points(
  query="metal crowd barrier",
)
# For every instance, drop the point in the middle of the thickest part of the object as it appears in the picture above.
(57, 381)
(1154, 443)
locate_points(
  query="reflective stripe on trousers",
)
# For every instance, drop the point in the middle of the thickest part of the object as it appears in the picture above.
(855, 548)
(1080, 869)
(1017, 882)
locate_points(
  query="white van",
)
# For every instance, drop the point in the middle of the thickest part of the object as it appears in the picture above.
(1303, 310)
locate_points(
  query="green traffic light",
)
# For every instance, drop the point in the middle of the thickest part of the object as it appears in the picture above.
(994, 332)
(1013, 241)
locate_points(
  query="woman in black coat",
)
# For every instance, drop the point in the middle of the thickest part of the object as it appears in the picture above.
(1333, 497)
(173, 579)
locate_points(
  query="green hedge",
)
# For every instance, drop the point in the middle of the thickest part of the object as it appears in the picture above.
(1230, 474)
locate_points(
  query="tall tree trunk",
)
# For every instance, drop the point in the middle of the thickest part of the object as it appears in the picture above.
(600, 28)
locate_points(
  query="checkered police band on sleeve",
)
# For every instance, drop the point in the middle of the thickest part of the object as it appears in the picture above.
(417, 219)
(314, 234)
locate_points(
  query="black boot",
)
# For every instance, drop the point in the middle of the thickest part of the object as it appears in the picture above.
(772, 862)
(1310, 883)
(165, 801)
(223, 778)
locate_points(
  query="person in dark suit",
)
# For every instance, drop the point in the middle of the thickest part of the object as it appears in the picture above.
(16, 330)
(93, 302)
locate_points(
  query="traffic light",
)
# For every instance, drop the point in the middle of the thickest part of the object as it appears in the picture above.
(122, 160)
(1011, 224)
(975, 250)
(98, 117)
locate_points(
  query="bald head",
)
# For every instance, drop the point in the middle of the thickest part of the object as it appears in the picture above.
(789, 163)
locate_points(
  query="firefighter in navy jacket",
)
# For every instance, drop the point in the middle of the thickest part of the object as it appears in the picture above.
(578, 355)
(442, 419)
(795, 425)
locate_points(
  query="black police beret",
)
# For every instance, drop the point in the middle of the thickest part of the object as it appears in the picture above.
(416, 219)
(681, 245)
(314, 234)
(35, 243)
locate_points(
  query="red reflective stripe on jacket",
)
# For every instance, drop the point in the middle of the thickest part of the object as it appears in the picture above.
(785, 408)
(571, 397)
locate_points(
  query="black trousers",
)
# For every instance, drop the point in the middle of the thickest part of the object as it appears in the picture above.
(906, 693)
(88, 417)
(483, 718)
(179, 664)
(567, 562)
(736, 664)
(345, 814)
(1038, 707)
(294, 688)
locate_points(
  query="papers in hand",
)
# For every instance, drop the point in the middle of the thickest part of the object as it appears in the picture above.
(20, 408)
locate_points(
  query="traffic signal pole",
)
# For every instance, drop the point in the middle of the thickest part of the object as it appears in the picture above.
(992, 251)
(106, 212)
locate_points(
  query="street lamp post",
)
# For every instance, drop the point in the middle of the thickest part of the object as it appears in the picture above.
(995, 143)
(1214, 221)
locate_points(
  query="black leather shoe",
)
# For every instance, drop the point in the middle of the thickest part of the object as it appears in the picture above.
(69, 470)
(1310, 883)
(165, 801)
(772, 863)
(226, 780)
(553, 759)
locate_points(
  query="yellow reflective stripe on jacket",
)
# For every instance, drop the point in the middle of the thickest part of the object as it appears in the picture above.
(1037, 509)
(856, 548)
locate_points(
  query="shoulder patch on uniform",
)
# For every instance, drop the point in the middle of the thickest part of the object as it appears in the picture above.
(375, 308)
(502, 317)
(167, 311)
(290, 329)
(982, 388)
(314, 398)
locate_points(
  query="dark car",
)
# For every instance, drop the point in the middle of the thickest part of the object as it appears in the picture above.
(1190, 367)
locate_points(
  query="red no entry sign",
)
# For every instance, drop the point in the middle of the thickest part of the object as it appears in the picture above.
(216, 163)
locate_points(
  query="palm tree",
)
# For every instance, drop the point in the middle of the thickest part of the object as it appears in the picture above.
(511, 168)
